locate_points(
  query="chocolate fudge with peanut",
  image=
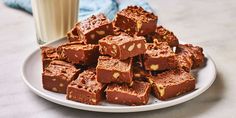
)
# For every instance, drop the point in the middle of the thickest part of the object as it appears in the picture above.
(172, 83)
(58, 75)
(134, 20)
(90, 30)
(77, 53)
(114, 70)
(122, 46)
(159, 57)
(136, 93)
(194, 52)
(86, 89)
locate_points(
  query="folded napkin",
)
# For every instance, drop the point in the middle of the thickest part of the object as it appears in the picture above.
(88, 7)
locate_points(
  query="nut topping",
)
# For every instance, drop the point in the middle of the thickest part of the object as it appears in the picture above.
(131, 47)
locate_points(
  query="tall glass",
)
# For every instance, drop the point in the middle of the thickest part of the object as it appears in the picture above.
(54, 18)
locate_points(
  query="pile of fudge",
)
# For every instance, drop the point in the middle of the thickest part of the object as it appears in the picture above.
(121, 61)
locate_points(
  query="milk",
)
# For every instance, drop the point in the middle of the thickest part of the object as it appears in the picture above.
(54, 18)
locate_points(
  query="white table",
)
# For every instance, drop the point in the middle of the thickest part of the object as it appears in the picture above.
(209, 23)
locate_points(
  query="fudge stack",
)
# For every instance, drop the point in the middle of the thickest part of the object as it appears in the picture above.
(121, 61)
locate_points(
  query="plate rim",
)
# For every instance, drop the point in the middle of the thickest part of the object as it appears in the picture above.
(111, 109)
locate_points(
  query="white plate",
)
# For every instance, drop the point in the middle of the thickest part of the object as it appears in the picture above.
(31, 73)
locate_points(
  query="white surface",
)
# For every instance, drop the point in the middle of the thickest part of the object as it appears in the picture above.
(208, 23)
(31, 74)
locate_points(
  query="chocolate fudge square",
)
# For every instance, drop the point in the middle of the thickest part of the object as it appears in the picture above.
(195, 52)
(172, 83)
(48, 54)
(94, 28)
(122, 46)
(77, 53)
(58, 75)
(159, 57)
(86, 88)
(135, 20)
(135, 94)
(114, 70)
(161, 34)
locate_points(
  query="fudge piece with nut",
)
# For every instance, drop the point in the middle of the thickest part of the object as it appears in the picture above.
(122, 46)
(77, 53)
(58, 75)
(159, 56)
(134, 20)
(90, 30)
(86, 88)
(136, 93)
(194, 52)
(172, 83)
(114, 70)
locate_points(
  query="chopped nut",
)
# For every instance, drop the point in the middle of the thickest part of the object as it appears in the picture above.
(164, 37)
(130, 84)
(116, 75)
(61, 84)
(178, 93)
(92, 36)
(53, 79)
(54, 89)
(154, 66)
(70, 96)
(100, 32)
(116, 98)
(94, 100)
(131, 47)
(137, 75)
(123, 46)
(150, 80)
(105, 48)
(139, 25)
(102, 49)
(146, 46)
(155, 40)
(139, 45)
(112, 52)
(161, 89)
(114, 48)
(107, 26)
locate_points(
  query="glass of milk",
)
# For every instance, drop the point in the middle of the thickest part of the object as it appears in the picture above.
(54, 18)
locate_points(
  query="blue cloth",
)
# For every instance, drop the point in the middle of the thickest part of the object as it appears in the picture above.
(19, 4)
(88, 7)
